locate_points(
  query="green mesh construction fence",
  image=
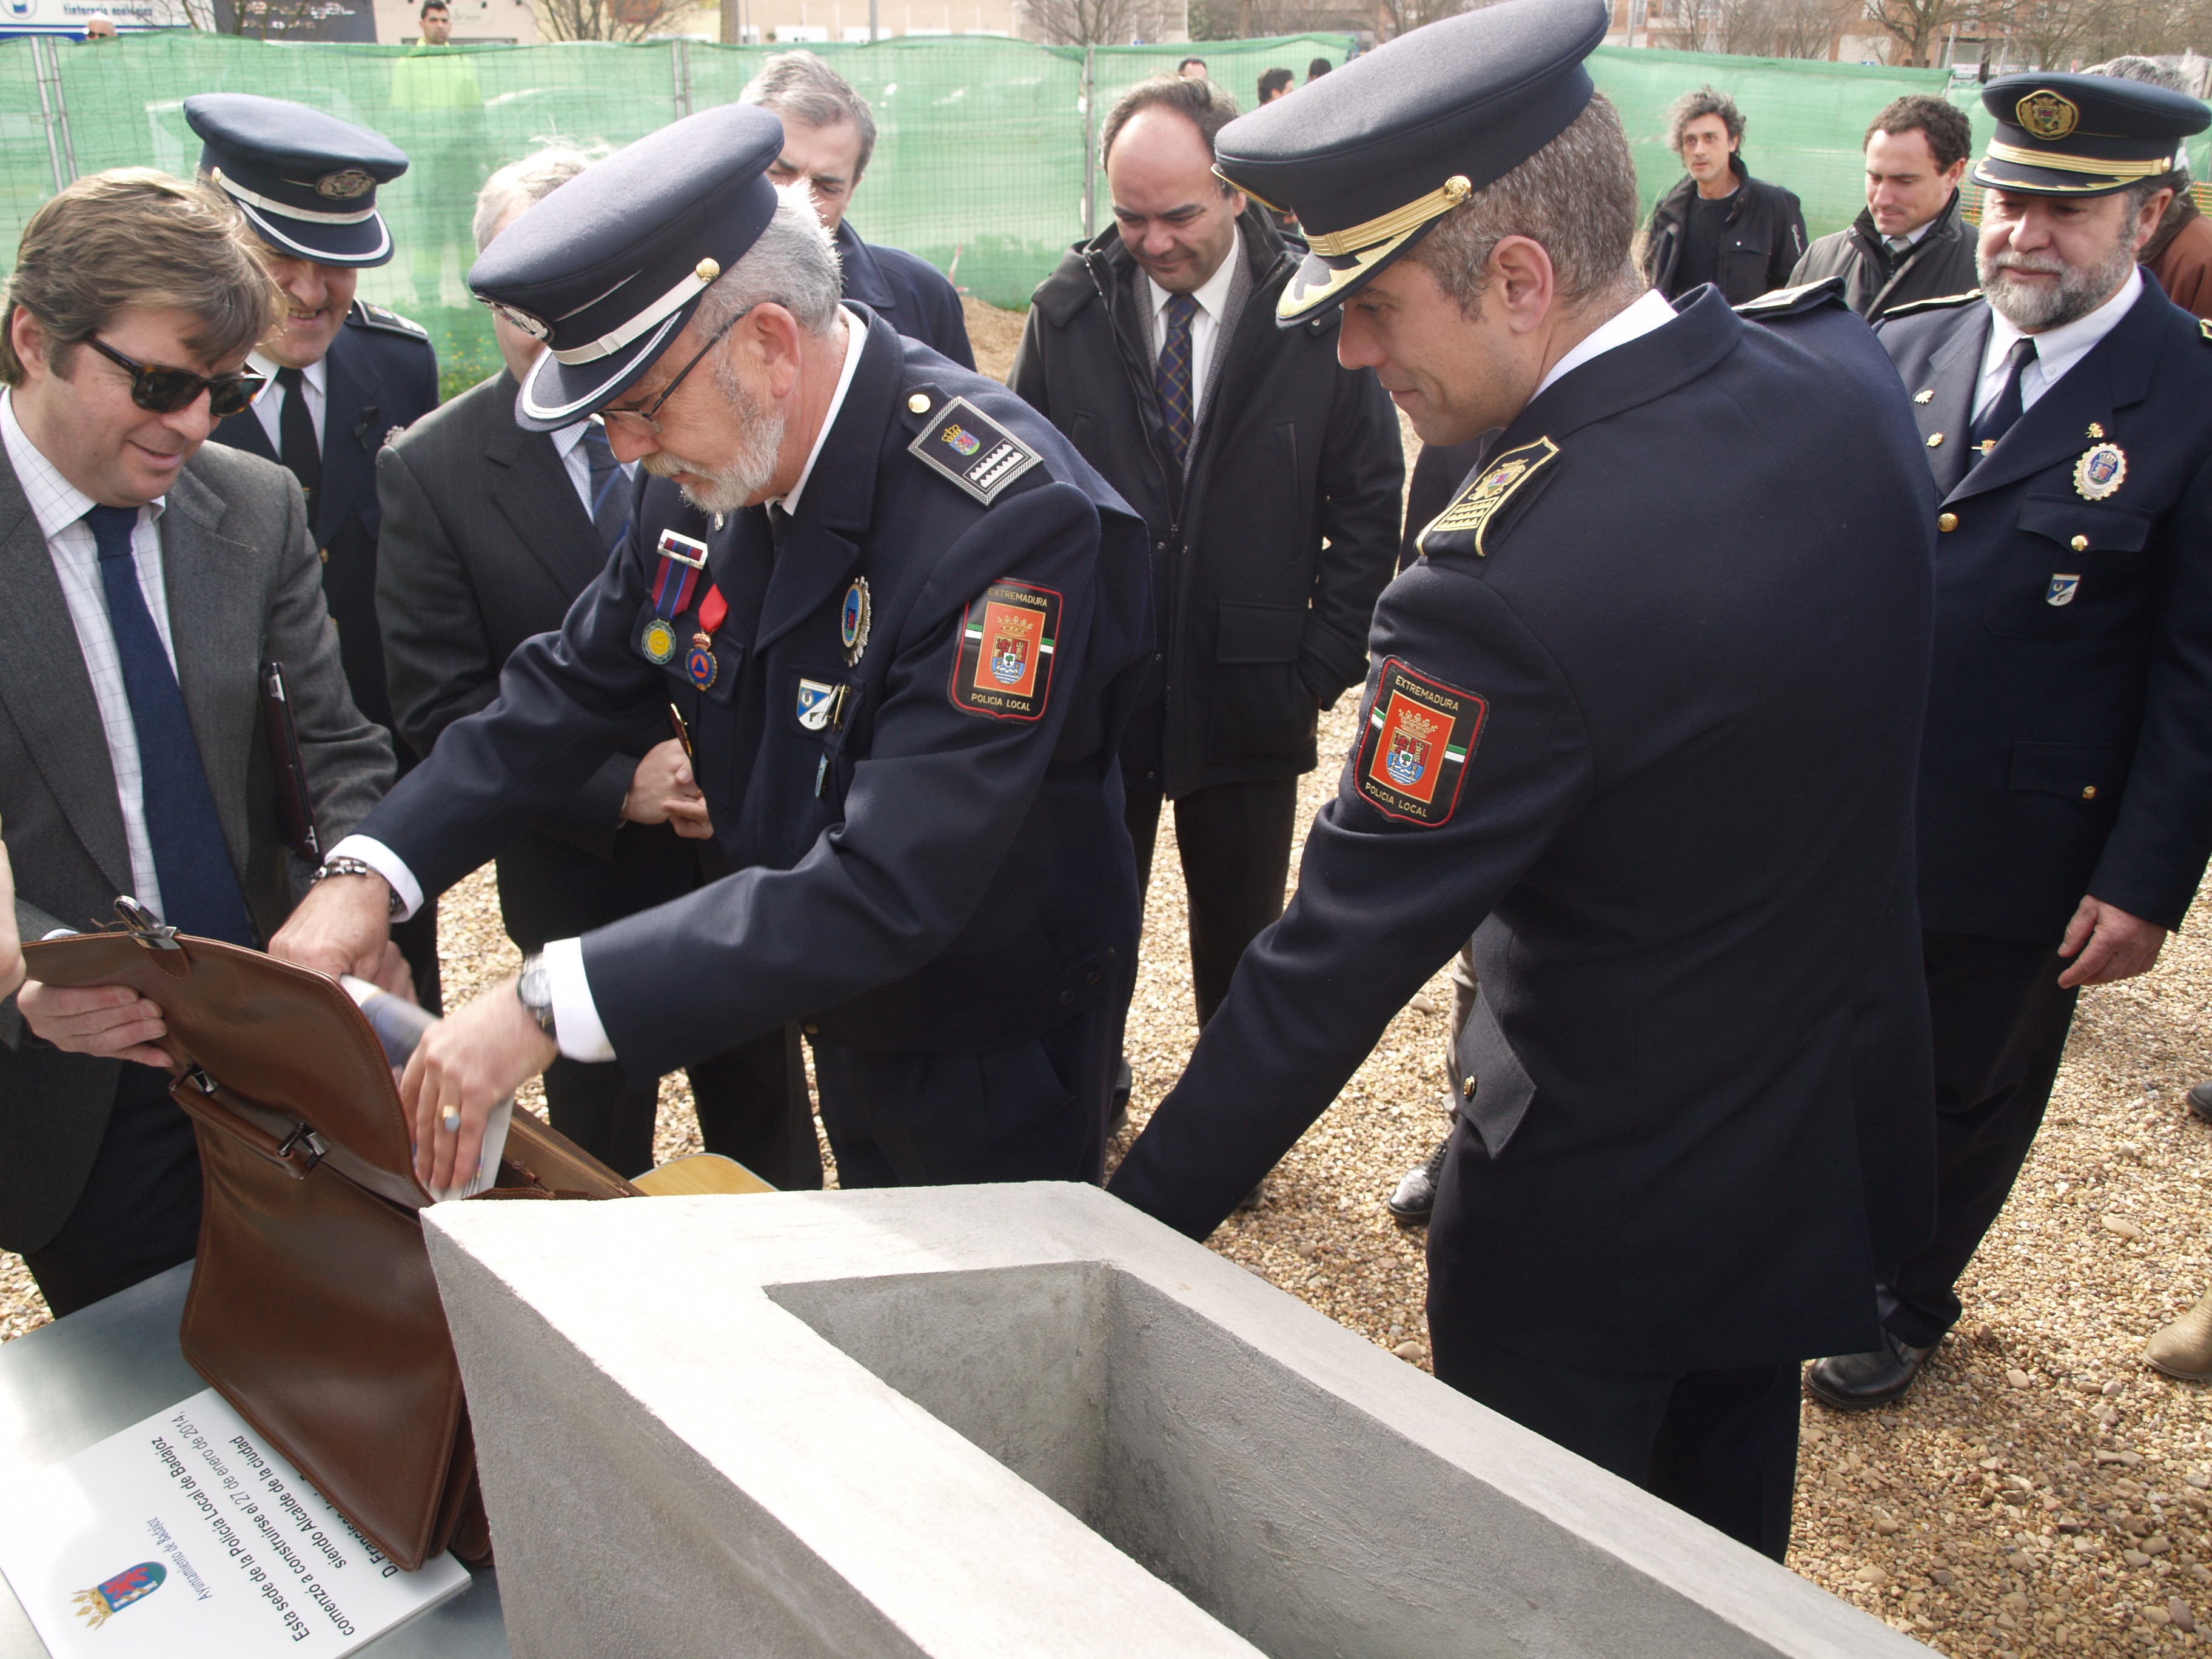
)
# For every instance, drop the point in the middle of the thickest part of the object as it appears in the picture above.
(979, 166)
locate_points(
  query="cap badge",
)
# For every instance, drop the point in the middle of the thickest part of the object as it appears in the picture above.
(523, 321)
(346, 184)
(2046, 115)
(2102, 470)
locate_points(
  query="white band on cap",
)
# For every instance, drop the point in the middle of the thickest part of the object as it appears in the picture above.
(591, 400)
(607, 345)
(310, 215)
(274, 234)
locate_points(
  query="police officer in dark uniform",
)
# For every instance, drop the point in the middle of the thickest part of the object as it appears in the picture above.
(2065, 810)
(903, 623)
(343, 375)
(1658, 759)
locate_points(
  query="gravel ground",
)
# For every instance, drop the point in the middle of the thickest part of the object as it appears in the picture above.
(2042, 1491)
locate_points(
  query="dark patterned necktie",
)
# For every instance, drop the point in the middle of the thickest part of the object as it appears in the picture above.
(296, 446)
(1173, 375)
(2004, 408)
(610, 495)
(199, 886)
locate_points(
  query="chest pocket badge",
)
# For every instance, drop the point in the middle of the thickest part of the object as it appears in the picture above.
(2062, 589)
(816, 702)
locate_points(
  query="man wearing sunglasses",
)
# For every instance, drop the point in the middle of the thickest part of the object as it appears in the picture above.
(343, 375)
(902, 622)
(147, 577)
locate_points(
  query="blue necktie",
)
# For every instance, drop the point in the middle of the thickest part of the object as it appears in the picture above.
(1173, 375)
(199, 887)
(2005, 409)
(610, 495)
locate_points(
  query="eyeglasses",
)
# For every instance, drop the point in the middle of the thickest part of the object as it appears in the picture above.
(166, 390)
(644, 416)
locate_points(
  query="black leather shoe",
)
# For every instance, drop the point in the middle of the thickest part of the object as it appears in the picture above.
(1117, 1114)
(2200, 1100)
(1853, 1381)
(1415, 1198)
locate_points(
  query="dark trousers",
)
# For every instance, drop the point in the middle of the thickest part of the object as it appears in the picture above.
(1719, 1445)
(2000, 1023)
(140, 1212)
(751, 1101)
(1235, 839)
(1033, 1112)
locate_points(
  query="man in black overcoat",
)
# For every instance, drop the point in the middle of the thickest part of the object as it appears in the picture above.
(2065, 801)
(1658, 759)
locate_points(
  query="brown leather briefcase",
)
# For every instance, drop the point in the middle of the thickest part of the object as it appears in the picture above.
(312, 1309)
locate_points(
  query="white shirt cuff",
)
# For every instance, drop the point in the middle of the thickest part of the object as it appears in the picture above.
(386, 863)
(576, 1025)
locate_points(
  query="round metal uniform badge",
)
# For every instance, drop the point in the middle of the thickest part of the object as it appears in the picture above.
(2102, 469)
(657, 642)
(699, 664)
(852, 622)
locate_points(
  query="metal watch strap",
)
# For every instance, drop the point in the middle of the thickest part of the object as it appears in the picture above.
(535, 994)
(354, 866)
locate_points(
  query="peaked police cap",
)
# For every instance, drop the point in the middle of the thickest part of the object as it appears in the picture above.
(306, 181)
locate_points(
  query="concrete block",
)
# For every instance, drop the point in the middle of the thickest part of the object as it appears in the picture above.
(1025, 1421)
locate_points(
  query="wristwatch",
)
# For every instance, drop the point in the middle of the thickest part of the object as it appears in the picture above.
(533, 988)
(353, 866)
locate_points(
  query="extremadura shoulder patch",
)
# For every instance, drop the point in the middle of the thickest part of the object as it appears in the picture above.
(1004, 665)
(1414, 751)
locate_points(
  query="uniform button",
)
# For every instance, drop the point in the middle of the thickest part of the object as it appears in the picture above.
(812, 1029)
(1067, 996)
(2081, 543)
(325, 555)
(1092, 978)
(2089, 792)
(918, 403)
(1947, 523)
(1466, 1088)
(1935, 441)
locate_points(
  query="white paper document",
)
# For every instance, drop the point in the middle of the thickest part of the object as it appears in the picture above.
(185, 1536)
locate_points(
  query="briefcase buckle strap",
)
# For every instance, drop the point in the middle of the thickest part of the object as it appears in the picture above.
(149, 929)
(303, 1147)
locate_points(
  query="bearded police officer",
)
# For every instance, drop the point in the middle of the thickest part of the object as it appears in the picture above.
(902, 622)
(343, 374)
(2065, 801)
(1659, 766)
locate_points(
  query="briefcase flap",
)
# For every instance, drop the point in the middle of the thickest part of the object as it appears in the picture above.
(280, 1044)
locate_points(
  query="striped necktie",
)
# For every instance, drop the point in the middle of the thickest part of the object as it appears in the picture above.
(611, 494)
(1172, 376)
(199, 884)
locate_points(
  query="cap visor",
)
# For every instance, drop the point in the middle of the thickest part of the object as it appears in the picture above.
(2026, 180)
(1326, 280)
(367, 243)
(557, 394)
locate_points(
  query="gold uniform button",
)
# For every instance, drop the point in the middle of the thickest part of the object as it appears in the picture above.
(1935, 439)
(812, 1029)
(1947, 522)
(918, 403)
(1466, 1088)
(2081, 543)
(2089, 792)
(324, 554)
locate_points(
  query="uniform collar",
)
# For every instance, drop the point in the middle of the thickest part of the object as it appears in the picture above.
(1649, 311)
(56, 501)
(2057, 349)
(856, 339)
(316, 374)
(863, 274)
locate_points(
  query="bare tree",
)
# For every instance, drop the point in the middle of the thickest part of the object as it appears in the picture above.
(1919, 25)
(270, 20)
(607, 20)
(1092, 22)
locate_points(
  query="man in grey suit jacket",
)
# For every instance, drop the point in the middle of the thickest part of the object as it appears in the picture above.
(148, 579)
(489, 533)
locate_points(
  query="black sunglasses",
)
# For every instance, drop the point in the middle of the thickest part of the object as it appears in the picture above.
(166, 390)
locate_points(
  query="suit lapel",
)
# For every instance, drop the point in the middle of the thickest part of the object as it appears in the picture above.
(539, 501)
(1954, 370)
(353, 431)
(216, 634)
(243, 431)
(47, 690)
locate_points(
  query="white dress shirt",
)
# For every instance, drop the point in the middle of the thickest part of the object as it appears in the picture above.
(269, 407)
(60, 507)
(568, 443)
(1651, 311)
(1205, 321)
(2057, 349)
(576, 1022)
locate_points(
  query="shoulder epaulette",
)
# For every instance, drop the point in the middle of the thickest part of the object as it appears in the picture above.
(2204, 326)
(1793, 301)
(1913, 307)
(390, 322)
(960, 442)
(1461, 527)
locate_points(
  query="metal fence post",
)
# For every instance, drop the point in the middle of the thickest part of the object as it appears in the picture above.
(1089, 149)
(53, 114)
(679, 67)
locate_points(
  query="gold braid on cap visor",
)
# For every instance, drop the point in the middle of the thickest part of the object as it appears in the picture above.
(1339, 244)
(2037, 158)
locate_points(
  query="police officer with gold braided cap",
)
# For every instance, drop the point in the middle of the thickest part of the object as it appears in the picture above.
(902, 624)
(2065, 801)
(1658, 764)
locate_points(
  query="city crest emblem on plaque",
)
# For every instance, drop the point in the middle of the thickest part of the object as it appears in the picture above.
(2102, 469)
(1004, 664)
(104, 1601)
(962, 440)
(2047, 115)
(1414, 747)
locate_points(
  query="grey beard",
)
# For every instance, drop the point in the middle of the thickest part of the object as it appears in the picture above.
(744, 478)
(2079, 290)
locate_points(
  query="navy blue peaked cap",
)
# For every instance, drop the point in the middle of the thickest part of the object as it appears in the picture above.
(1371, 156)
(306, 181)
(2082, 135)
(607, 268)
